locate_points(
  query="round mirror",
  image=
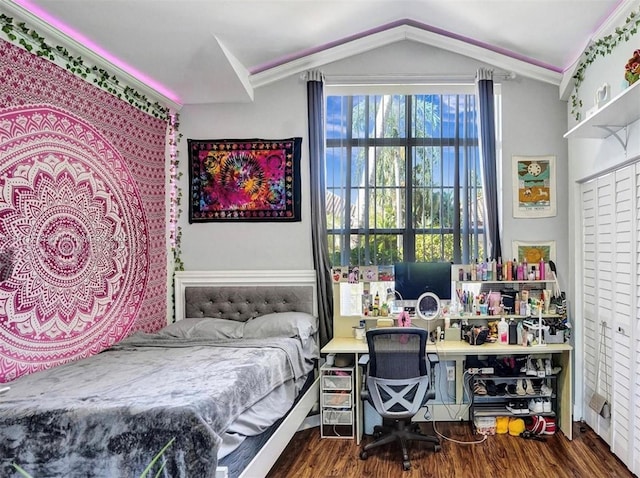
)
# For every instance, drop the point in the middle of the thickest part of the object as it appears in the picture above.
(428, 306)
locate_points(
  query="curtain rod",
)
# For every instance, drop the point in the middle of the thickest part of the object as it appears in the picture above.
(409, 79)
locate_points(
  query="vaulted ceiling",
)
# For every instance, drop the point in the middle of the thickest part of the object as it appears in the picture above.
(198, 51)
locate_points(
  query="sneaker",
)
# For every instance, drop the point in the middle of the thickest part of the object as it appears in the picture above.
(535, 405)
(545, 390)
(511, 389)
(550, 426)
(531, 369)
(520, 387)
(537, 425)
(547, 367)
(509, 365)
(479, 388)
(514, 407)
(491, 388)
(529, 387)
(525, 367)
(546, 405)
(524, 407)
(501, 389)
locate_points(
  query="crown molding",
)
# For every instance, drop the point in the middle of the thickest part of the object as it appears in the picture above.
(402, 33)
(57, 38)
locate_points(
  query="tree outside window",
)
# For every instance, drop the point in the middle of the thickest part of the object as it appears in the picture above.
(403, 179)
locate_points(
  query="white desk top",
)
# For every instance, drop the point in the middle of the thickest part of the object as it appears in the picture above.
(352, 345)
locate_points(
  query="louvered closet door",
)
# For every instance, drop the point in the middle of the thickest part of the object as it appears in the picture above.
(597, 213)
(610, 294)
(634, 373)
(589, 297)
(623, 279)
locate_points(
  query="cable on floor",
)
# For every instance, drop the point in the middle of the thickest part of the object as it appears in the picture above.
(460, 411)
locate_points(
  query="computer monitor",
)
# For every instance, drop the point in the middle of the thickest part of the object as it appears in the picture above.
(412, 279)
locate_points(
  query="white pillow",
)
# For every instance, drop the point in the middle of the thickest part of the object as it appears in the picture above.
(281, 324)
(204, 328)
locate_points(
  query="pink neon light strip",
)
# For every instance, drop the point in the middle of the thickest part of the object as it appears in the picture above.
(395, 24)
(60, 26)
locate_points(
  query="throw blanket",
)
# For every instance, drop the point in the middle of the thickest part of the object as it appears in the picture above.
(110, 414)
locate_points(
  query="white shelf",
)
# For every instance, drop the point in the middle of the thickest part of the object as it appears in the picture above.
(470, 316)
(523, 281)
(619, 112)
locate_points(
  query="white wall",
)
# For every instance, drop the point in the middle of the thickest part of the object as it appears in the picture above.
(586, 159)
(279, 111)
(534, 120)
(533, 124)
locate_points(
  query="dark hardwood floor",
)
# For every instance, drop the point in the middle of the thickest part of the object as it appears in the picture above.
(586, 456)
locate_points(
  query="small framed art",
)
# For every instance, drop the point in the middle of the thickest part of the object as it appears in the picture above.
(534, 186)
(534, 251)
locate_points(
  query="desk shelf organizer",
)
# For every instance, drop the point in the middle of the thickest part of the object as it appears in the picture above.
(533, 287)
(337, 402)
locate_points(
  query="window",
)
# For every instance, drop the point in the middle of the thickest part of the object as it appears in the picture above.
(403, 178)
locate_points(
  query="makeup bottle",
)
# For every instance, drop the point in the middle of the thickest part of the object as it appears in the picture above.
(513, 332)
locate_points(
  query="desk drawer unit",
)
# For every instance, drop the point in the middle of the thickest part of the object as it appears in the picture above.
(336, 402)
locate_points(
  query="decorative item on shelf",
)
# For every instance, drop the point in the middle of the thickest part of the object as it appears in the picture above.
(632, 68)
(384, 310)
(602, 95)
(404, 319)
(428, 306)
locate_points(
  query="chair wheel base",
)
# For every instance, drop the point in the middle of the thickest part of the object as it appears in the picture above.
(437, 448)
(406, 466)
(364, 455)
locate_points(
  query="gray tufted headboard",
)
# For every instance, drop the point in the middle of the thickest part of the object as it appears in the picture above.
(244, 303)
(241, 295)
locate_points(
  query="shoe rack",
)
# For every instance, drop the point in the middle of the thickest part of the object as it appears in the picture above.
(337, 402)
(530, 391)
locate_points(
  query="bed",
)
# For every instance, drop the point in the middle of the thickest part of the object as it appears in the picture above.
(225, 386)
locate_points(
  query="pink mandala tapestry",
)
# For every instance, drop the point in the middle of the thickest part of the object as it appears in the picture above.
(83, 253)
(73, 233)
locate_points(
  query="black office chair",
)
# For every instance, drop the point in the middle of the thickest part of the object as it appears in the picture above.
(397, 384)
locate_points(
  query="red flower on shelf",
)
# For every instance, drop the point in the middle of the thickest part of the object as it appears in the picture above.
(632, 68)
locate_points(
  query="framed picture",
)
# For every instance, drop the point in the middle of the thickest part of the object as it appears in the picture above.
(535, 251)
(244, 180)
(534, 182)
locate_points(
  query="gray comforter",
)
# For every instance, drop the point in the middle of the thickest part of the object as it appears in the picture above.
(109, 415)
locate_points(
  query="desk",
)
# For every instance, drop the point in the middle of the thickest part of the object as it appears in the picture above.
(458, 351)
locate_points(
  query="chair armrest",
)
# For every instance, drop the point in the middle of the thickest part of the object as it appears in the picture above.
(364, 363)
(433, 359)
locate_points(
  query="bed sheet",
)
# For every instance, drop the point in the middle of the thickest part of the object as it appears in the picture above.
(109, 414)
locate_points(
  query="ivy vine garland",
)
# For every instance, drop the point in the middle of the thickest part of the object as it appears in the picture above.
(602, 47)
(33, 42)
